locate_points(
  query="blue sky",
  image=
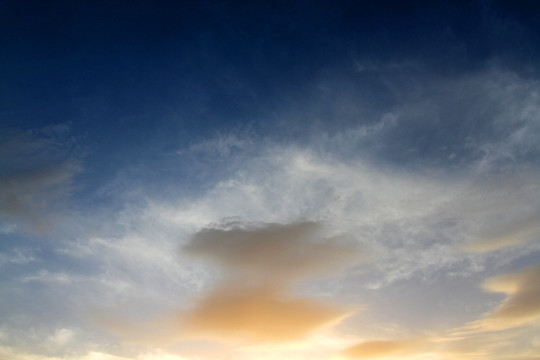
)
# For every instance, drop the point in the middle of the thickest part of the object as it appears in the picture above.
(269, 180)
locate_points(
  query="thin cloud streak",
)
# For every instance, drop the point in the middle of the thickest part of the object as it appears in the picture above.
(380, 348)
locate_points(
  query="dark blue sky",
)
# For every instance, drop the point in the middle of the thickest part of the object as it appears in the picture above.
(210, 63)
(163, 74)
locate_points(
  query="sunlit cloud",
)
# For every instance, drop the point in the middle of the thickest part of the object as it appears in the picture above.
(379, 348)
(12, 354)
(521, 305)
(255, 300)
(256, 314)
(254, 304)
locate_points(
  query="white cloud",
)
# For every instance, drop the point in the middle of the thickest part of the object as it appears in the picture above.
(62, 337)
(47, 277)
(221, 145)
(410, 222)
(17, 256)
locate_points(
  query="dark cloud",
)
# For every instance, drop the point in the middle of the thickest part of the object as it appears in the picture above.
(275, 251)
(37, 174)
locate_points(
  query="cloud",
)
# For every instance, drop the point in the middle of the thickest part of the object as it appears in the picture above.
(508, 234)
(274, 251)
(379, 348)
(37, 172)
(262, 260)
(509, 344)
(521, 305)
(255, 302)
(413, 223)
(62, 337)
(18, 256)
(259, 313)
(28, 196)
(14, 354)
(222, 145)
(516, 343)
(230, 312)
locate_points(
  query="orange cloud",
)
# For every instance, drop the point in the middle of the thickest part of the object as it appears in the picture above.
(250, 314)
(262, 262)
(275, 251)
(523, 302)
(521, 306)
(378, 348)
(258, 314)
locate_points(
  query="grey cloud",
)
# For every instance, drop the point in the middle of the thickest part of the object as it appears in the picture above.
(508, 234)
(37, 173)
(275, 250)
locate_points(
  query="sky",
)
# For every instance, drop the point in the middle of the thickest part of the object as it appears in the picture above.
(262, 180)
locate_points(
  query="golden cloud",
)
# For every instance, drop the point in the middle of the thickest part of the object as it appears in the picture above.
(258, 314)
(520, 307)
(378, 348)
(253, 303)
(522, 304)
